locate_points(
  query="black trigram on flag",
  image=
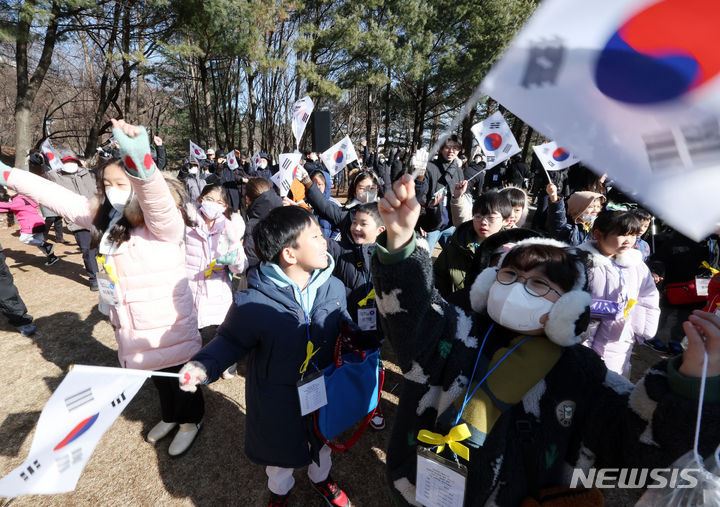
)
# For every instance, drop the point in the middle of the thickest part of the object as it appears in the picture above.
(117, 401)
(494, 125)
(305, 116)
(507, 148)
(544, 63)
(79, 399)
(29, 470)
(286, 163)
(551, 163)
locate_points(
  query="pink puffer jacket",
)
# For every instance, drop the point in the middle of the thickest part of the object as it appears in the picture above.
(155, 322)
(213, 294)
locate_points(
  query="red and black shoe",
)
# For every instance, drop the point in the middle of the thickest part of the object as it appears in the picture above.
(278, 500)
(331, 492)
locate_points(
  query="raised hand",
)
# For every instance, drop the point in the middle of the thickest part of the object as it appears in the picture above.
(419, 162)
(134, 148)
(460, 189)
(4, 173)
(703, 333)
(192, 374)
(551, 190)
(400, 211)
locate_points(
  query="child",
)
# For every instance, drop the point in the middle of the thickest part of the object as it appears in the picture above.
(139, 231)
(292, 300)
(260, 199)
(213, 250)
(620, 278)
(352, 267)
(519, 201)
(645, 221)
(546, 404)
(490, 214)
(582, 208)
(323, 181)
(32, 225)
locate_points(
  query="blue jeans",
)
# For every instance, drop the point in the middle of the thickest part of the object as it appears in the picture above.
(441, 236)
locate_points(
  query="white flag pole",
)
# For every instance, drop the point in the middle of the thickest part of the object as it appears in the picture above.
(130, 371)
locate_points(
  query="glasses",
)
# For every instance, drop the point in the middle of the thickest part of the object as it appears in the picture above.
(534, 286)
(490, 219)
(452, 147)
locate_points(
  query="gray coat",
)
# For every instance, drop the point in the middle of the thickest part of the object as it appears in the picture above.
(82, 182)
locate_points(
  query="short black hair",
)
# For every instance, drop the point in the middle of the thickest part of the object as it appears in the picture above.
(223, 192)
(642, 214)
(516, 196)
(490, 202)
(558, 264)
(371, 208)
(618, 222)
(280, 229)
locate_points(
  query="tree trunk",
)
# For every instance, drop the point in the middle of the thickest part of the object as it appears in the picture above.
(27, 86)
(252, 111)
(369, 119)
(467, 135)
(528, 142)
(387, 107)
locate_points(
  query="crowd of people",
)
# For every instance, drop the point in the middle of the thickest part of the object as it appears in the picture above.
(512, 303)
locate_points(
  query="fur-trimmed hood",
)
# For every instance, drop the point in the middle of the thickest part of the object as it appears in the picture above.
(629, 258)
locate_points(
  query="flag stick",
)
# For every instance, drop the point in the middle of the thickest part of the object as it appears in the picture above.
(547, 174)
(476, 175)
(130, 371)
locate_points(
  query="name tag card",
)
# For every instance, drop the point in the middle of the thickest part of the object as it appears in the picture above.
(440, 482)
(311, 391)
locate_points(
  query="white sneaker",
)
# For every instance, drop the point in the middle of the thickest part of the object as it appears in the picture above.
(227, 374)
(160, 431)
(184, 438)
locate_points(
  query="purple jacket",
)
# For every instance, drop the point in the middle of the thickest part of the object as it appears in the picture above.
(622, 279)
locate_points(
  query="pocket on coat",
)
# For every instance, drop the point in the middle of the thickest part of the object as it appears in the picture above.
(156, 313)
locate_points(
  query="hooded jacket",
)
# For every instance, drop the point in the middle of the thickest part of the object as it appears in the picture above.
(211, 286)
(155, 322)
(570, 409)
(26, 211)
(557, 223)
(82, 182)
(258, 210)
(267, 324)
(329, 230)
(620, 280)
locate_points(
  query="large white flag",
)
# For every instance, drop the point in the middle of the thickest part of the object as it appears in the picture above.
(339, 155)
(553, 157)
(81, 409)
(301, 115)
(232, 160)
(197, 152)
(495, 139)
(49, 151)
(644, 109)
(288, 170)
(380, 141)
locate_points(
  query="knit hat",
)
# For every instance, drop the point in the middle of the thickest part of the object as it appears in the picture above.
(579, 201)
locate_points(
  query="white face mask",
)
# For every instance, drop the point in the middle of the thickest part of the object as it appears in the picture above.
(589, 219)
(263, 163)
(212, 210)
(512, 307)
(117, 198)
(367, 196)
(193, 169)
(70, 168)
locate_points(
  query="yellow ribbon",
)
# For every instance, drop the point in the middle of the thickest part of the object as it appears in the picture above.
(310, 351)
(107, 267)
(630, 304)
(457, 434)
(371, 295)
(708, 266)
(213, 267)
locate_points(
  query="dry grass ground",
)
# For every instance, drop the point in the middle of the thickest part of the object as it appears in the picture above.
(125, 470)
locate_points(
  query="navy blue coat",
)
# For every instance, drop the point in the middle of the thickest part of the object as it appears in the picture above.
(268, 326)
(559, 227)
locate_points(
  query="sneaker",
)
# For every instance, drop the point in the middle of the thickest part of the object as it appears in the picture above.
(48, 248)
(378, 419)
(331, 492)
(52, 259)
(230, 372)
(94, 285)
(160, 431)
(656, 345)
(184, 438)
(27, 329)
(278, 500)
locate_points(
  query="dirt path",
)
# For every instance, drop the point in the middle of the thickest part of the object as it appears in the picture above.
(125, 470)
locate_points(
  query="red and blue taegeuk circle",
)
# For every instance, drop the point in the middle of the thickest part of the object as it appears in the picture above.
(560, 155)
(661, 53)
(78, 430)
(339, 157)
(492, 141)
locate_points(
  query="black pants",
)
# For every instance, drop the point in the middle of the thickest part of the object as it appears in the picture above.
(11, 304)
(57, 223)
(177, 405)
(83, 238)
